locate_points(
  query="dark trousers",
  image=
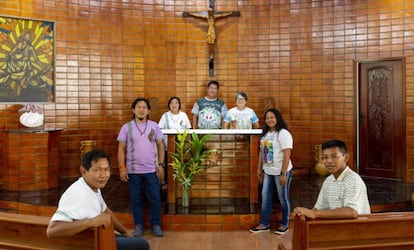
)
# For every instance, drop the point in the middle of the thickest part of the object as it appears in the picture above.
(126, 243)
(150, 183)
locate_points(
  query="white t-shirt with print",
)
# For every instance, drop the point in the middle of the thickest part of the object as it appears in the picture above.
(174, 121)
(272, 145)
(244, 118)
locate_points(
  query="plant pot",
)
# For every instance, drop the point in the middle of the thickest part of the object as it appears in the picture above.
(320, 169)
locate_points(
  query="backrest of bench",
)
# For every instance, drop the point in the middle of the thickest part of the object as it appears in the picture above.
(374, 227)
(32, 227)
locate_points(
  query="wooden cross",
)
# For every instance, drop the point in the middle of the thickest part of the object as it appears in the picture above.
(211, 16)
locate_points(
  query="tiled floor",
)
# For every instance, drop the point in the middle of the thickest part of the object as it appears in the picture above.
(384, 195)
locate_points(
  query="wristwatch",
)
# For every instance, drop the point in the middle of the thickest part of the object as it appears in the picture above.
(161, 164)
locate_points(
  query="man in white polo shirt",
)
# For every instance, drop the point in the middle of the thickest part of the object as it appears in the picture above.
(343, 193)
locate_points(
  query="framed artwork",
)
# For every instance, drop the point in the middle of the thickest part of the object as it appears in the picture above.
(27, 59)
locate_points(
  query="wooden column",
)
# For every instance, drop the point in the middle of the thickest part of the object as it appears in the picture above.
(254, 184)
(171, 182)
(31, 159)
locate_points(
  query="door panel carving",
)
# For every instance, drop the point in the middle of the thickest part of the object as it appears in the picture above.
(381, 131)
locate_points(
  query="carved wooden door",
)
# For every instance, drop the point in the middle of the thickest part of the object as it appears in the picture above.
(382, 134)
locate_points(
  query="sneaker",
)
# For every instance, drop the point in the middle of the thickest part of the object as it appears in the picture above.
(139, 230)
(282, 230)
(260, 228)
(157, 231)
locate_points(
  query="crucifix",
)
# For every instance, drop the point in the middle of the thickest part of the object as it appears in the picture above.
(211, 16)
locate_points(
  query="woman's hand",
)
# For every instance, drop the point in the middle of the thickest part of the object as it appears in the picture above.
(282, 180)
(260, 175)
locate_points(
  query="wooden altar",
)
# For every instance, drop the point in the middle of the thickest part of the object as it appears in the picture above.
(231, 180)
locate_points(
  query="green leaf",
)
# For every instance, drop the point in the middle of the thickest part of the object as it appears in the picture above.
(190, 153)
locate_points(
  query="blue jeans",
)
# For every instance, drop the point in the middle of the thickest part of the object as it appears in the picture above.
(269, 182)
(135, 243)
(152, 191)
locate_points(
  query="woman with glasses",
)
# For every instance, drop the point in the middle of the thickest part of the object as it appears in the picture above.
(274, 169)
(343, 193)
(241, 116)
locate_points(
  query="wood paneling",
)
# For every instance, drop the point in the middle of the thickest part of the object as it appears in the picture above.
(32, 158)
(298, 53)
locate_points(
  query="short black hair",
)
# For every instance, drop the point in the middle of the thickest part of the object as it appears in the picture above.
(93, 156)
(334, 143)
(242, 94)
(213, 82)
(139, 99)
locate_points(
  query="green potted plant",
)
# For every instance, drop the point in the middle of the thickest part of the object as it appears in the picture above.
(188, 161)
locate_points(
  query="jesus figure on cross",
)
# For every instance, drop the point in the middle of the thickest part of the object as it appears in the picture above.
(211, 32)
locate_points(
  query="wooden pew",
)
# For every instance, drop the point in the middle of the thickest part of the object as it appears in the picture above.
(375, 231)
(21, 231)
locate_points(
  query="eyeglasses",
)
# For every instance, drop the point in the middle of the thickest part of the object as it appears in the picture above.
(332, 156)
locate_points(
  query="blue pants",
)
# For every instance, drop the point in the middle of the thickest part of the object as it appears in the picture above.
(152, 191)
(269, 182)
(136, 243)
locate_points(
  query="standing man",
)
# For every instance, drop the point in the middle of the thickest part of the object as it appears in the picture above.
(82, 205)
(140, 142)
(343, 193)
(209, 111)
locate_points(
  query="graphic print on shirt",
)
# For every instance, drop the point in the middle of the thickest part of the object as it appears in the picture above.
(267, 151)
(242, 121)
(151, 136)
(209, 117)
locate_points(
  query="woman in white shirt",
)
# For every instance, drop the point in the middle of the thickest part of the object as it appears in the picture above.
(274, 169)
(174, 118)
(241, 116)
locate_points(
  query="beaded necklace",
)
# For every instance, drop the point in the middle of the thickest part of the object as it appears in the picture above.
(140, 131)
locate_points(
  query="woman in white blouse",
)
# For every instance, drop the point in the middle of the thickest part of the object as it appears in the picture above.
(174, 118)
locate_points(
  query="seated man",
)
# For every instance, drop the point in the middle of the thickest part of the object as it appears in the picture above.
(82, 205)
(343, 193)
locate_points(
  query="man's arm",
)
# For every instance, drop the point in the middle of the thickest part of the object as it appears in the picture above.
(195, 121)
(123, 174)
(225, 125)
(69, 228)
(121, 153)
(161, 159)
(202, 15)
(118, 224)
(194, 111)
(337, 213)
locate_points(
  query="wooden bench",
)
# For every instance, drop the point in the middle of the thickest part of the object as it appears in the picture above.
(21, 231)
(375, 231)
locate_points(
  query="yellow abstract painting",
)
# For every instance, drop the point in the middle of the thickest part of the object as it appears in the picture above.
(26, 60)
